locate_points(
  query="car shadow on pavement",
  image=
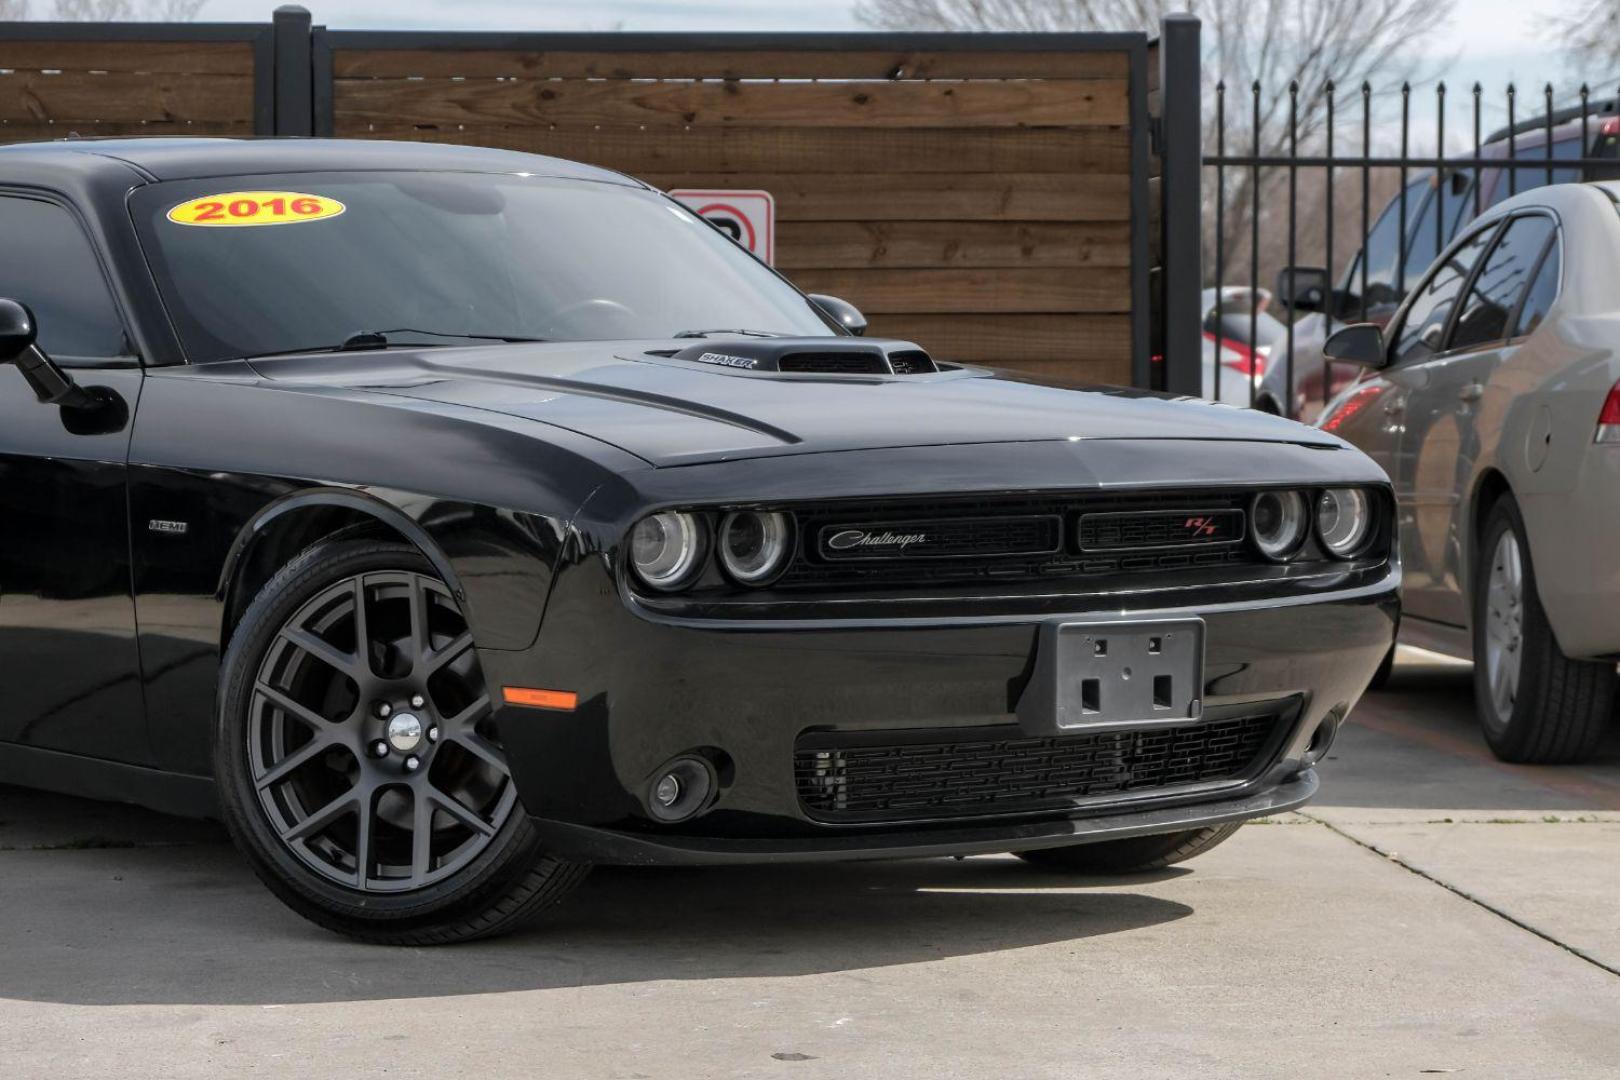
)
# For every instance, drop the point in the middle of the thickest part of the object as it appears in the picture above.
(179, 918)
(1417, 744)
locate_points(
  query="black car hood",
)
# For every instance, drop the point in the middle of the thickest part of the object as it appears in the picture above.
(673, 412)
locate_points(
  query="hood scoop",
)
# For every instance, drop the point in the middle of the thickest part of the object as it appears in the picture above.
(812, 356)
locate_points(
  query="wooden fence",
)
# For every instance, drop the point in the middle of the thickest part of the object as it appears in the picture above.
(988, 196)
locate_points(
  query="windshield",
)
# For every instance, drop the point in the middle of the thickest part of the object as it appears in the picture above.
(250, 266)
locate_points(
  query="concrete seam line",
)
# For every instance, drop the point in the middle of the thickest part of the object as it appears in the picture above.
(1468, 896)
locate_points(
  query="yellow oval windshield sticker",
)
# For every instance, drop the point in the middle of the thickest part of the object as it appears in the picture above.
(235, 209)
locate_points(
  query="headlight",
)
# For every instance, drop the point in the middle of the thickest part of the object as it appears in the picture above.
(754, 546)
(1343, 520)
(1278, 523)
(666, 550)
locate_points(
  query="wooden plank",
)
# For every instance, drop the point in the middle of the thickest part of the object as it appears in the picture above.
(1052, 103)
(719, 64)
(666, 149)
(1104, 289)
(999, 339)
(122, 96)
(931, 197)
(15, 131)
(921, 244)
(165, 57)
(1078, 374)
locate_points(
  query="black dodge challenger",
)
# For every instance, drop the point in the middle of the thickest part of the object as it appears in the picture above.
(448, 520)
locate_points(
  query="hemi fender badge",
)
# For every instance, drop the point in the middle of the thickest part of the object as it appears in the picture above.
(535, 698)
(172, 528)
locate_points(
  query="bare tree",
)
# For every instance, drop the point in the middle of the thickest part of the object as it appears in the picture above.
(103, 10)
(1274, 45)
(1590, 29)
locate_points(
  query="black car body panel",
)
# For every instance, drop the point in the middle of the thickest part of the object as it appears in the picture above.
(519, 471)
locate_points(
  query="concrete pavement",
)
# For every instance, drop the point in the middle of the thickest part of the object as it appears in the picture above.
(1434, 912)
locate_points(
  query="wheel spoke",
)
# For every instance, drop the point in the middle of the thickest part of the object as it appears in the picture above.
(421, 836)
(362, 625)
(323, 651)
(481, 747)
(323, 817)
(362, 839)
(294, 761)
(279, 698)
(452, 806)
(468, 717)
(436, 659)
(420, 639)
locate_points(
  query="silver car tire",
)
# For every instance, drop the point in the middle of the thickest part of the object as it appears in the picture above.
(1536, 705)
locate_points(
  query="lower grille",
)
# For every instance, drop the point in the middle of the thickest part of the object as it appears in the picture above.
(883, 776)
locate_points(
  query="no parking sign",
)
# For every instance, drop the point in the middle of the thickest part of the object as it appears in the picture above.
(749, 217)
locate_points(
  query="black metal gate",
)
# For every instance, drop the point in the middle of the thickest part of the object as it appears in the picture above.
(1392, 236)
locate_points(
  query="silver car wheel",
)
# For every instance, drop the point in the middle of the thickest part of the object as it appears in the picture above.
(1504, 625)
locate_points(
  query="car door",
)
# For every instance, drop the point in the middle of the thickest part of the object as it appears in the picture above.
(1415, 353)
(1443, 438)
(68, 659)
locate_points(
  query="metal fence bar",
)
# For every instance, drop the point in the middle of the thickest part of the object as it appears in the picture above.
(1220, 233)
(1181, 277)
(294, 106)
(1557, 143)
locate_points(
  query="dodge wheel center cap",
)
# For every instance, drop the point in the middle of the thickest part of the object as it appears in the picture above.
(404, 732)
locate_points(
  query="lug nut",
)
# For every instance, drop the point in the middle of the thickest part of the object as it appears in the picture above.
(413, 763)
(384, 709)
(417, 701)
(433, 734)
(379, 748)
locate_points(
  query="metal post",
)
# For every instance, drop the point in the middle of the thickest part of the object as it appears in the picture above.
(1181, 151)
(294, 106)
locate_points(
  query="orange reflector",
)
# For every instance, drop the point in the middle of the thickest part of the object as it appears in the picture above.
(563, 700)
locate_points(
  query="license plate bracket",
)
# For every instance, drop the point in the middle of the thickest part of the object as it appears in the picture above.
(1091, 675)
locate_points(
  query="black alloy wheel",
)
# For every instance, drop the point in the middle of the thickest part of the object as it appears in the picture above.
(359, 761)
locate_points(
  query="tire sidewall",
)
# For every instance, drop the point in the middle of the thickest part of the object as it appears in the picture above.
(509, 855)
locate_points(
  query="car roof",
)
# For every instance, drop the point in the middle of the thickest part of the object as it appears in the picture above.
(162, 158)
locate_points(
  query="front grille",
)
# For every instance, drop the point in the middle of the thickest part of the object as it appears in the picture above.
(885, 776)
(1012, 556)
(1143, 529)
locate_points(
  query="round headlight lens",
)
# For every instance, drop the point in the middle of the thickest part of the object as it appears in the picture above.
(1278, 523)
(1343, 520)
(666, 550)
(754, 546)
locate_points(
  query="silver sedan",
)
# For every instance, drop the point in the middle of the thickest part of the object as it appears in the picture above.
(1492, 399)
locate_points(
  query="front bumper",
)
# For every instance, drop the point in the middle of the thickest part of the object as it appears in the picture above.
(654, 688)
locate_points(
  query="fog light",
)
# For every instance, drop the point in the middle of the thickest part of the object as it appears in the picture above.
(682, 789)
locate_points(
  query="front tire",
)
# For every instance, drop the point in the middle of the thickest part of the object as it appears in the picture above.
(358, 764)
(1134, 854)
(1536, 705)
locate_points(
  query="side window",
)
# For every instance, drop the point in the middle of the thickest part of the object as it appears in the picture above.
(60, 280)
(1538, 299)
(1501, 281)
(1433, 301)
(1382, 252)
(1529, 179)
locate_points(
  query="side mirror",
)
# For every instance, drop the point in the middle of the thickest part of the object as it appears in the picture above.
(1358, 343)
(17, 330)
(842, 312)
(1303, 288)
(51, 385)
